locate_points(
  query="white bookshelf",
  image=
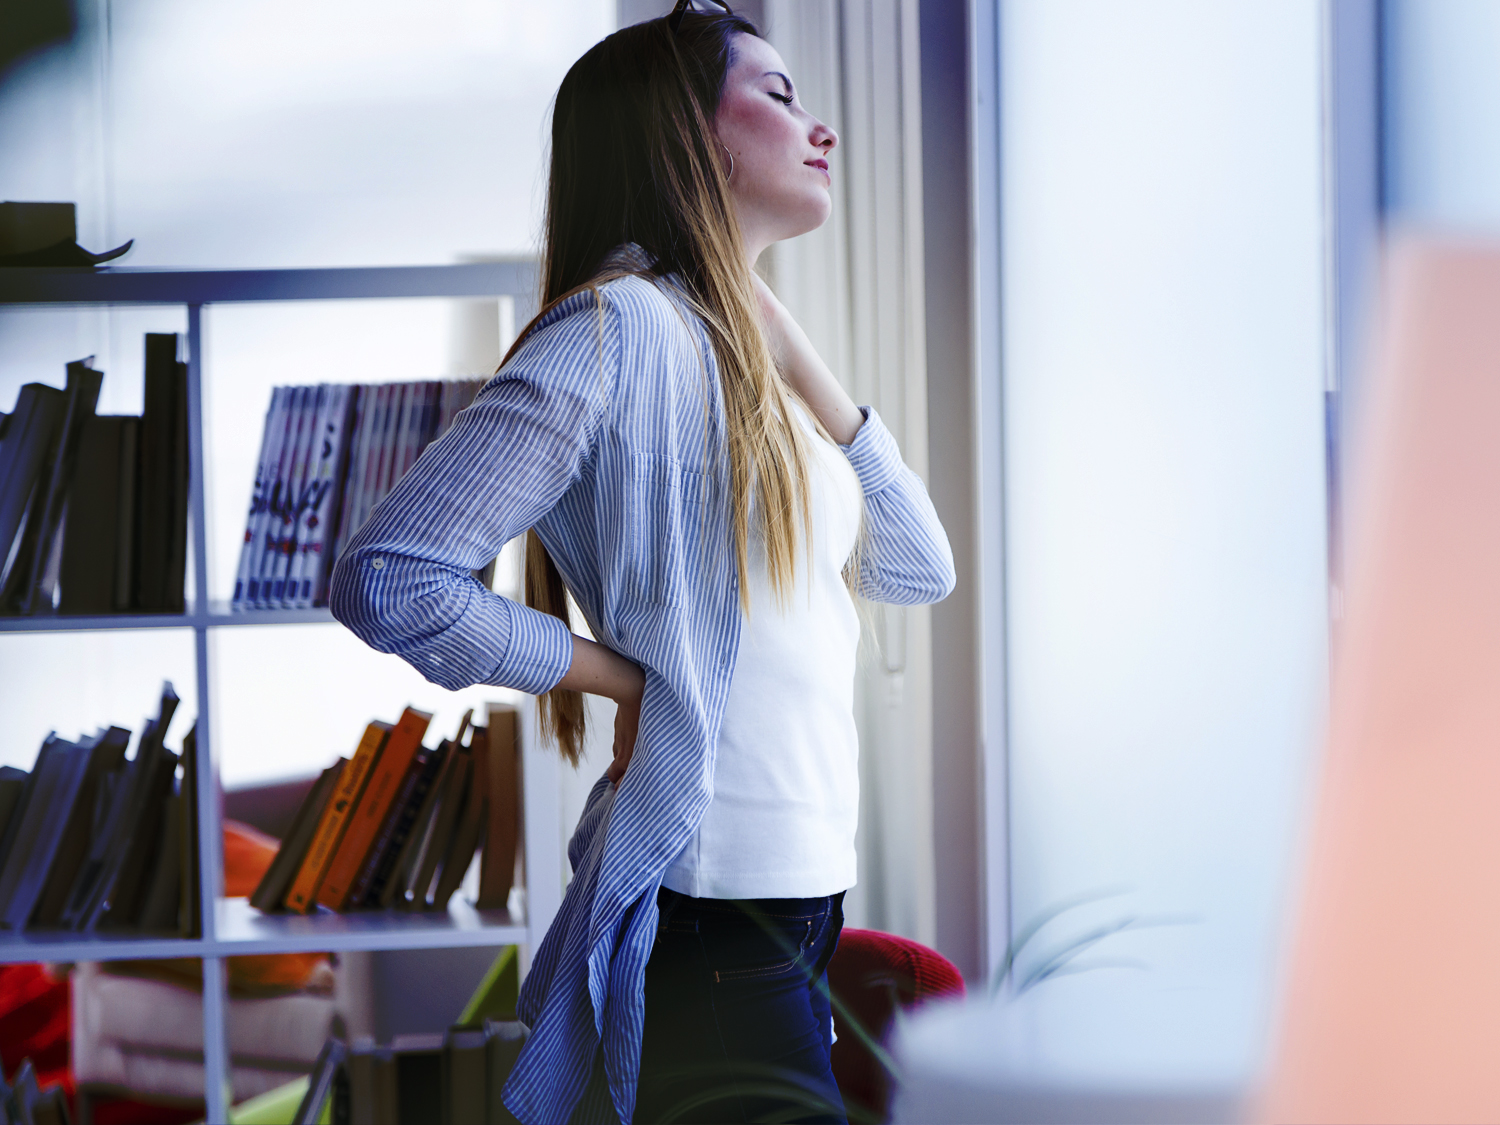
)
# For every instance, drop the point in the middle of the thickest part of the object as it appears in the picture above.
(230, 926)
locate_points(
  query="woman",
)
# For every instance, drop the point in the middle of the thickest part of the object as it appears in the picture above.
(695, 477)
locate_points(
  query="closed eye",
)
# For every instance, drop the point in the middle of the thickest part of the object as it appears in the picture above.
(784, 99)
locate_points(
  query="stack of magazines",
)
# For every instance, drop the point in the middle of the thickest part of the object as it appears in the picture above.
(328, 455)
(94, 841)
(398, 824)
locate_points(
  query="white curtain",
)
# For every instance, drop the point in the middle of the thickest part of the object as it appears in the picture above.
(856, 286)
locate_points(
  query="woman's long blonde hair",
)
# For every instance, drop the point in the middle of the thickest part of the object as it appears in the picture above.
(635, 160)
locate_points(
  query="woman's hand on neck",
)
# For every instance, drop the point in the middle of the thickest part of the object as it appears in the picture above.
(804, 370)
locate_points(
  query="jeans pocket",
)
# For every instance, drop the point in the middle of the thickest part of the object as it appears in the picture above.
(775, 947)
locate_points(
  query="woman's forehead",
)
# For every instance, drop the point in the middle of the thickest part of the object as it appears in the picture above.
(754, 56)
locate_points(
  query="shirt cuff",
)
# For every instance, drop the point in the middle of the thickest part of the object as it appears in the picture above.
(873, 453)
(539, 654)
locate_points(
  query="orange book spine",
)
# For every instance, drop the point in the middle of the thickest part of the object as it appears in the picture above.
(303, 895)
(369, 811)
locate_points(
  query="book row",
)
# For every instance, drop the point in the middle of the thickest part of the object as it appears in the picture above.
(328, 455)
(396, 825)
(24, 1102)
(454, 1078)
(93, 840)
(93, 508)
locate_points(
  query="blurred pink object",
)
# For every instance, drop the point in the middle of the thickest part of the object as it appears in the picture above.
(1392, 1002)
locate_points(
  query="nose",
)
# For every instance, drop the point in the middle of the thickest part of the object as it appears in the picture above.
(824, 137)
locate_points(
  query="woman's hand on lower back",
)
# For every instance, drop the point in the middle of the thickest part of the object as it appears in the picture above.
(599, 670)
(627, 724)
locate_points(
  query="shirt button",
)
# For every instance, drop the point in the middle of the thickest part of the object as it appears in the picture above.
(377, 563)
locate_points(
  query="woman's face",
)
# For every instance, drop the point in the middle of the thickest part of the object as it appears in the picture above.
(780, 177)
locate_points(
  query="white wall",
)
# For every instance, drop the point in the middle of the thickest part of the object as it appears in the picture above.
(1442, 113)
(1163, 353)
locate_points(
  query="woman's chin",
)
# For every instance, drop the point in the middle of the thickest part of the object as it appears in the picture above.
(808, 216)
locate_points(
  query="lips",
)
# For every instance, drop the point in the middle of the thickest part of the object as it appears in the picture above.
(820, 165)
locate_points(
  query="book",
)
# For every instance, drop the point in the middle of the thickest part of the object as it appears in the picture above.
(502, 1047)
(499, 869)
(30, 435)
(50, 1107)
(370, 810)
(92, 531)
(190, 910)
(106, 757)
(305, 497)
(403, 808)
(161, 903)
(277, 501)
(371, 444)
(257, 502)
(157, 504)
(28, 787)
(59, 772)
(292, 495)
(398, 870)
(271, 890)
(467, 832)
(303, 896)
(365, 1089)
(131, 880)
(465, 1065)
(27, 588)
(419, 1078)
(20, 1103)
(322, 509)
(99, 875)
(359, 444)
(126, 521)
(12, 785)
(320, 1082)
(443, 823)
(175, 594)
(397, 422)
(247, 580)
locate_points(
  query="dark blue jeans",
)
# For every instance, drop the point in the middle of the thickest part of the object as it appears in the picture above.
(737, 1012)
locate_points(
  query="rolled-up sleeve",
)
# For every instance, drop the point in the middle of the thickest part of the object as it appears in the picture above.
(906, 559)
(405, 583)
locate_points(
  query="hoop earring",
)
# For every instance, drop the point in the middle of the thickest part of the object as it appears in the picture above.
(729, 154)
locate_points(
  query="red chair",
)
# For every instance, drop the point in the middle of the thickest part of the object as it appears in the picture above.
(871, 975)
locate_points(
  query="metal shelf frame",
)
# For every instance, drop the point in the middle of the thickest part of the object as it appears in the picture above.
(230, 926)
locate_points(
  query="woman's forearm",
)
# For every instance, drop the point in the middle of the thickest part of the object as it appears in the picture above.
(597, 670)
(805, 370)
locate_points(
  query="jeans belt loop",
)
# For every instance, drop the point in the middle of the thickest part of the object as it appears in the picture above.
(665, 916)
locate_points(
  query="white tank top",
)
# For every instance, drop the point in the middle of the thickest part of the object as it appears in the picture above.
(786, 776)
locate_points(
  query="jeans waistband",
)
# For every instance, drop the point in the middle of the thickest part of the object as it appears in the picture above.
(724, 911)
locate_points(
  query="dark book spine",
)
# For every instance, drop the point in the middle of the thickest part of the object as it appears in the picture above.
(127, 499)
(91, 531)
(392, 841)
(157, 466)
(173, 599)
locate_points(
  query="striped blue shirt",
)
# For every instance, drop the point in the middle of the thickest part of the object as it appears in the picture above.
(604, 433)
